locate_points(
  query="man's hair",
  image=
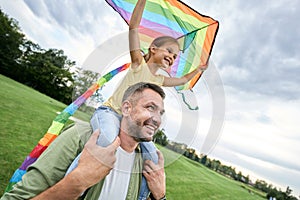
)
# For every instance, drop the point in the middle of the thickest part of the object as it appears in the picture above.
(138, 88)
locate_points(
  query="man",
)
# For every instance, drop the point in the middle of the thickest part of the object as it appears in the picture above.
(95, 177)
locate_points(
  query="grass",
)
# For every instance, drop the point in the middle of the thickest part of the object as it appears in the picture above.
(27, 114)
(187, 179)
(25, 117)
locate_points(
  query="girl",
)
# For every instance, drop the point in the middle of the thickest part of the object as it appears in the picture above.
(162, 54)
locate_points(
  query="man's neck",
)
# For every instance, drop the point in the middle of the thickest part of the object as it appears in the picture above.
(127, 142)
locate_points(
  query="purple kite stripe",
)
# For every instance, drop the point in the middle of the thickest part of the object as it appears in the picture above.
(80, 100)
(28, 161)
(163, 30)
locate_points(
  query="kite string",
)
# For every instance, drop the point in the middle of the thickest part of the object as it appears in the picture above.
(186, 103)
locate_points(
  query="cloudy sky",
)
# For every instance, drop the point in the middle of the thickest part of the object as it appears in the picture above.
(255, 56)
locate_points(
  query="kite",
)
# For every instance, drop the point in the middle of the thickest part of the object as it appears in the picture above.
(195, 33)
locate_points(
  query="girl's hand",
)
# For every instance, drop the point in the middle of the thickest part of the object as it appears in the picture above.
(202, 68)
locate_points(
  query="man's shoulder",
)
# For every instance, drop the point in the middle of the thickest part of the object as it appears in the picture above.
(82, 130)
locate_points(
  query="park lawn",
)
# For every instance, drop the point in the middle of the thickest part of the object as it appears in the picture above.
(27, 114)
(187, 179)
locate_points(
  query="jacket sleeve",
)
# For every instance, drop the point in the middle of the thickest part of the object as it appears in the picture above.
(52, 164)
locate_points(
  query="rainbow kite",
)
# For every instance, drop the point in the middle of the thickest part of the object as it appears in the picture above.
(57, 125)
(196, 33)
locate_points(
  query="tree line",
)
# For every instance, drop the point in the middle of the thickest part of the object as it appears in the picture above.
(45, 70)
(228, 171)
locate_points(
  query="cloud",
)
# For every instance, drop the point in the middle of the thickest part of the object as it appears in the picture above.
(76, 27)
(261, 132)
(256, 45)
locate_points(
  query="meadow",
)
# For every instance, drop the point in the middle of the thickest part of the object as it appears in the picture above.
(27, 114)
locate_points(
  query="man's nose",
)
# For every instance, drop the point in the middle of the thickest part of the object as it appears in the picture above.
(156, 118)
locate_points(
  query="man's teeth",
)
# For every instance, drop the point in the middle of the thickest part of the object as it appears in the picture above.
(150, 127)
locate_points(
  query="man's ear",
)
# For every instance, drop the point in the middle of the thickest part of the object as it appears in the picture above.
(126, 108)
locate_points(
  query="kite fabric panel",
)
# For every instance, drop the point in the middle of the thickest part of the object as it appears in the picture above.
(58, 124)
(195, 32)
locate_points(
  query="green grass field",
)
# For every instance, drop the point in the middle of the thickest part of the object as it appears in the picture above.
(27, 114)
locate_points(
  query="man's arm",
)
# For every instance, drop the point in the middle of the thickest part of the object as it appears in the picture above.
(155, 176)
(94, 164)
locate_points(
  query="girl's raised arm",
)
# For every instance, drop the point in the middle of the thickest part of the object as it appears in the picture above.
(134, 40)
(172, 81)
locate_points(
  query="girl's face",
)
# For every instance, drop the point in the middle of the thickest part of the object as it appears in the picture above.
(166, 54)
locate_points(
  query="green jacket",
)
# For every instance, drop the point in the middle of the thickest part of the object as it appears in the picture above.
(54, 162)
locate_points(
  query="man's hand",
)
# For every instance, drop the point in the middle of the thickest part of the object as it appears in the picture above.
(94, 164)
(155, 176)
(95, 161)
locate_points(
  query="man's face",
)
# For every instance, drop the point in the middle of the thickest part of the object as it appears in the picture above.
(145, 116)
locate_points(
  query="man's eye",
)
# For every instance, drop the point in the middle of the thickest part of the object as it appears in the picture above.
(151, 108)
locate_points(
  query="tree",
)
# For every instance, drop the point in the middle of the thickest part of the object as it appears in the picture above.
(84, 79)
(160, 138)
(203, 160)
(48, 72)
(11, 40)
(44, 70)
(215, 165)
(279, 195)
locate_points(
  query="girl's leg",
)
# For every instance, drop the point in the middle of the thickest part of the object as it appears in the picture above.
(148, 153)
(108, 122)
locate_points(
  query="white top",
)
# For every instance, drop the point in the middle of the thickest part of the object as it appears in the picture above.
(116, 183)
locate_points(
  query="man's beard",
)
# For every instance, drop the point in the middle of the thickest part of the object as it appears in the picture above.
(135, 131)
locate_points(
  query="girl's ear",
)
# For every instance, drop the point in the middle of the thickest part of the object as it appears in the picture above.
(126, 108)
(152, 48)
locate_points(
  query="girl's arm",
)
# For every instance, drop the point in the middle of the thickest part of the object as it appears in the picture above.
(172, 81)
(134, 40)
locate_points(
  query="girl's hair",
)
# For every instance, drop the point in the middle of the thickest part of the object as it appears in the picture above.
(158, 42)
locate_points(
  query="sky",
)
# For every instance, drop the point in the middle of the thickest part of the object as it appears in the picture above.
(256, 110)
